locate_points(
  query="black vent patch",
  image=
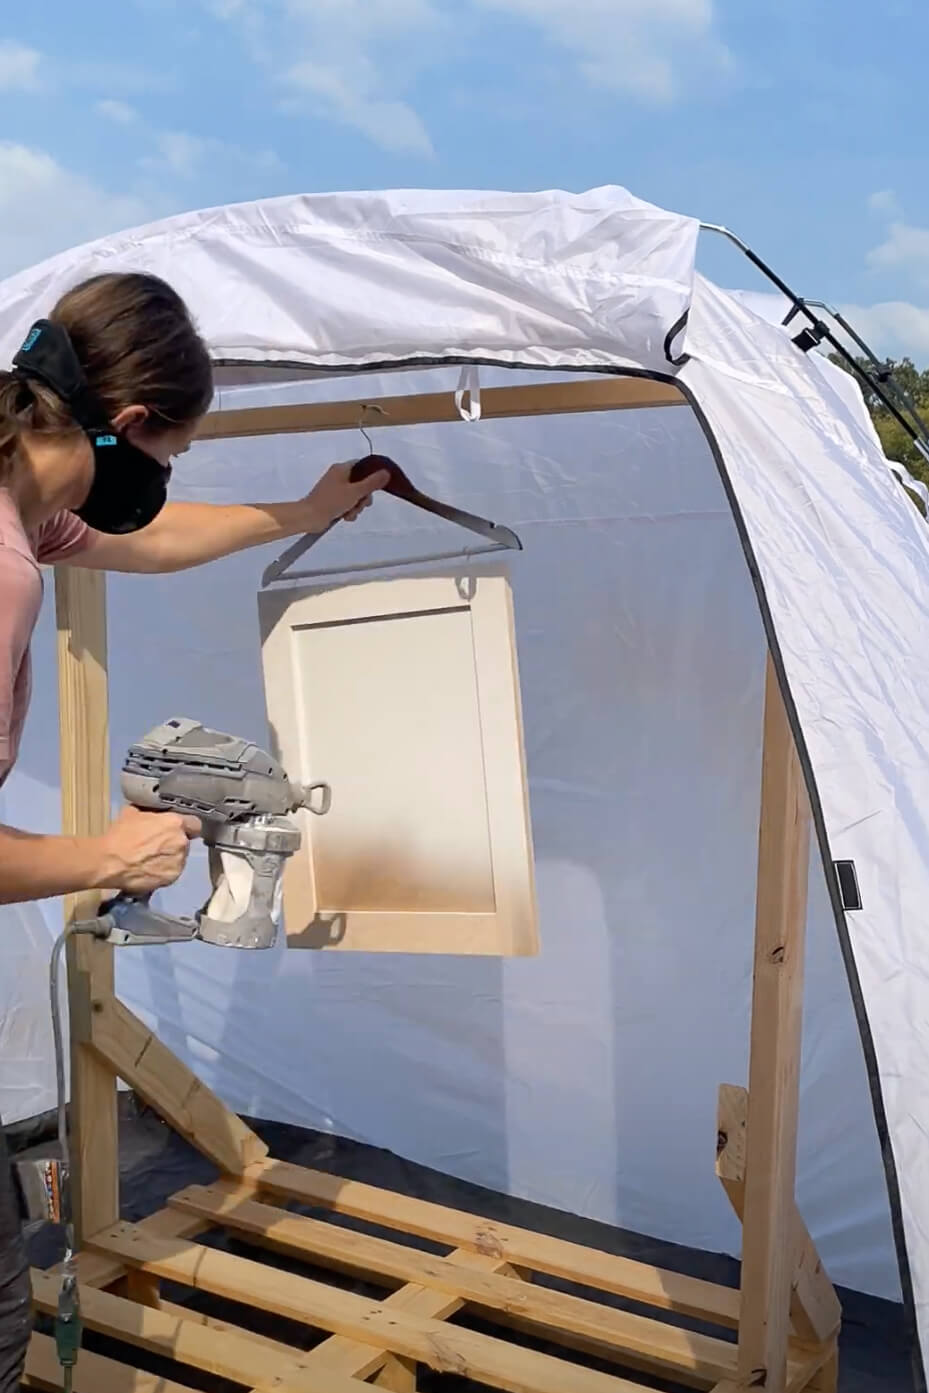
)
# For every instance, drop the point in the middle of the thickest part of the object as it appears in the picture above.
(847, 878)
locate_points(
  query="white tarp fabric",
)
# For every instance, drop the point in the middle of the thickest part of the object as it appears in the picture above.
(586, 1078)
(370, 279)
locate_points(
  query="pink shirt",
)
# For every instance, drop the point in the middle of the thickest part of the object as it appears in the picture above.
(21, 554)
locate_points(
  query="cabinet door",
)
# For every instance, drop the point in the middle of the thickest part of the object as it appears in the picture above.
(403, 696)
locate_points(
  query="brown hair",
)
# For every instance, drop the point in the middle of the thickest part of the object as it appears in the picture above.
(136, 343)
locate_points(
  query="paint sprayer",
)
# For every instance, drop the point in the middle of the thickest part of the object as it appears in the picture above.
(243, 799)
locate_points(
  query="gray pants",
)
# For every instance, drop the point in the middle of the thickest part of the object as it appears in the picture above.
(15, 1289)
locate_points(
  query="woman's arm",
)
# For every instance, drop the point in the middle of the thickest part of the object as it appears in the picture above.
(190, 534)
(34, 867)
(139, 853)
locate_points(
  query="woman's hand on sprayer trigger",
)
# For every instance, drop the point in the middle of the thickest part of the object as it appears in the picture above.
(144, 851)
(335, 497)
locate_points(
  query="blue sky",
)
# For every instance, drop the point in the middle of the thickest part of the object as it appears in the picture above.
(798, 123)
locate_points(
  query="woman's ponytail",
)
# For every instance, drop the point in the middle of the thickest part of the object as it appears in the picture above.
(27, 406)
(137, 345)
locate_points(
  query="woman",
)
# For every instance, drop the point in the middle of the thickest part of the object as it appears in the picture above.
(103, 395)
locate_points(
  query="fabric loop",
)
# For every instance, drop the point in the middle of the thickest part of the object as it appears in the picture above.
(469, 382)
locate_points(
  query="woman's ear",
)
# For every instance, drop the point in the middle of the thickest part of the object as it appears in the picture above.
(130, 416)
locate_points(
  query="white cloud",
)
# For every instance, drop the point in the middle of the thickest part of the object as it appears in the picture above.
(906, 249)
(358, 53)
(19, 67)
(45, 208)
(894, 329)
(124, 79)
(180, 152)
(183, 154)
(120, 112)
(350, 93)
(229, 9)
(347, 61)
(884, 201)
(625, 46)
(362, 21)
(354, 61)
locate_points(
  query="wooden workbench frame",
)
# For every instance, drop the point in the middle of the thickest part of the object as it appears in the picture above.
(786, 1313)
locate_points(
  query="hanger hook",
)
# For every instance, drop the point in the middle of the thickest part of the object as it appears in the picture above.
(362, 423)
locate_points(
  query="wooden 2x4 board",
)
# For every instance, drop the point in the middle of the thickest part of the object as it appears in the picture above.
(403, 696)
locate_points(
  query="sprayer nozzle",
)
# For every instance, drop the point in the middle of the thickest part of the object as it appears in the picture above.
(316, 797)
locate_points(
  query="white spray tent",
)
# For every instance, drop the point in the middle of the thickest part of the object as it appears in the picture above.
(665, 552)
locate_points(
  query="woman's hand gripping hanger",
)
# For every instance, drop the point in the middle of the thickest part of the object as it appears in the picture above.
(400, 486)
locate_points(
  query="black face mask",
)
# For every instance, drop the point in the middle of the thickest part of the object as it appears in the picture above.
(129, 488)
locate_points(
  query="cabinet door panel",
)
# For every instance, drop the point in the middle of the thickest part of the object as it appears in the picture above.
(403, 696)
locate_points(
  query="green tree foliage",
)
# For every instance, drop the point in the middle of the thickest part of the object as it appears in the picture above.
(898, 444)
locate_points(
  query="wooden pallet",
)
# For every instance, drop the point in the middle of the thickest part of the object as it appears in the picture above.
(485, 1267)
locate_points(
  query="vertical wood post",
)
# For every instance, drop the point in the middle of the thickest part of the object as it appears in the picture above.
(774, 1068)
(80, 598)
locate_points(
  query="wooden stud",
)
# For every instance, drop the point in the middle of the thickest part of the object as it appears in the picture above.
(431, 1342)
(143, 1289)
(94, 1270)
(731, 1122)
(236, 1356)
(604, 393)
(803, 1371)
(85, 783)
(815, 1308)
(773, 1089)
(94, 1374)
(345, 1356)
(642, 1346)
(80, 598)
(140, 1059)
(350, 1357)
(826, 1380)
(803, 1375)
(652, 1286)
(225, 1328)
(629, 1360)
(397, 1375)
(657, 1346)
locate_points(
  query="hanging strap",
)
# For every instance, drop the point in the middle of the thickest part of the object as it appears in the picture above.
(469, 382)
